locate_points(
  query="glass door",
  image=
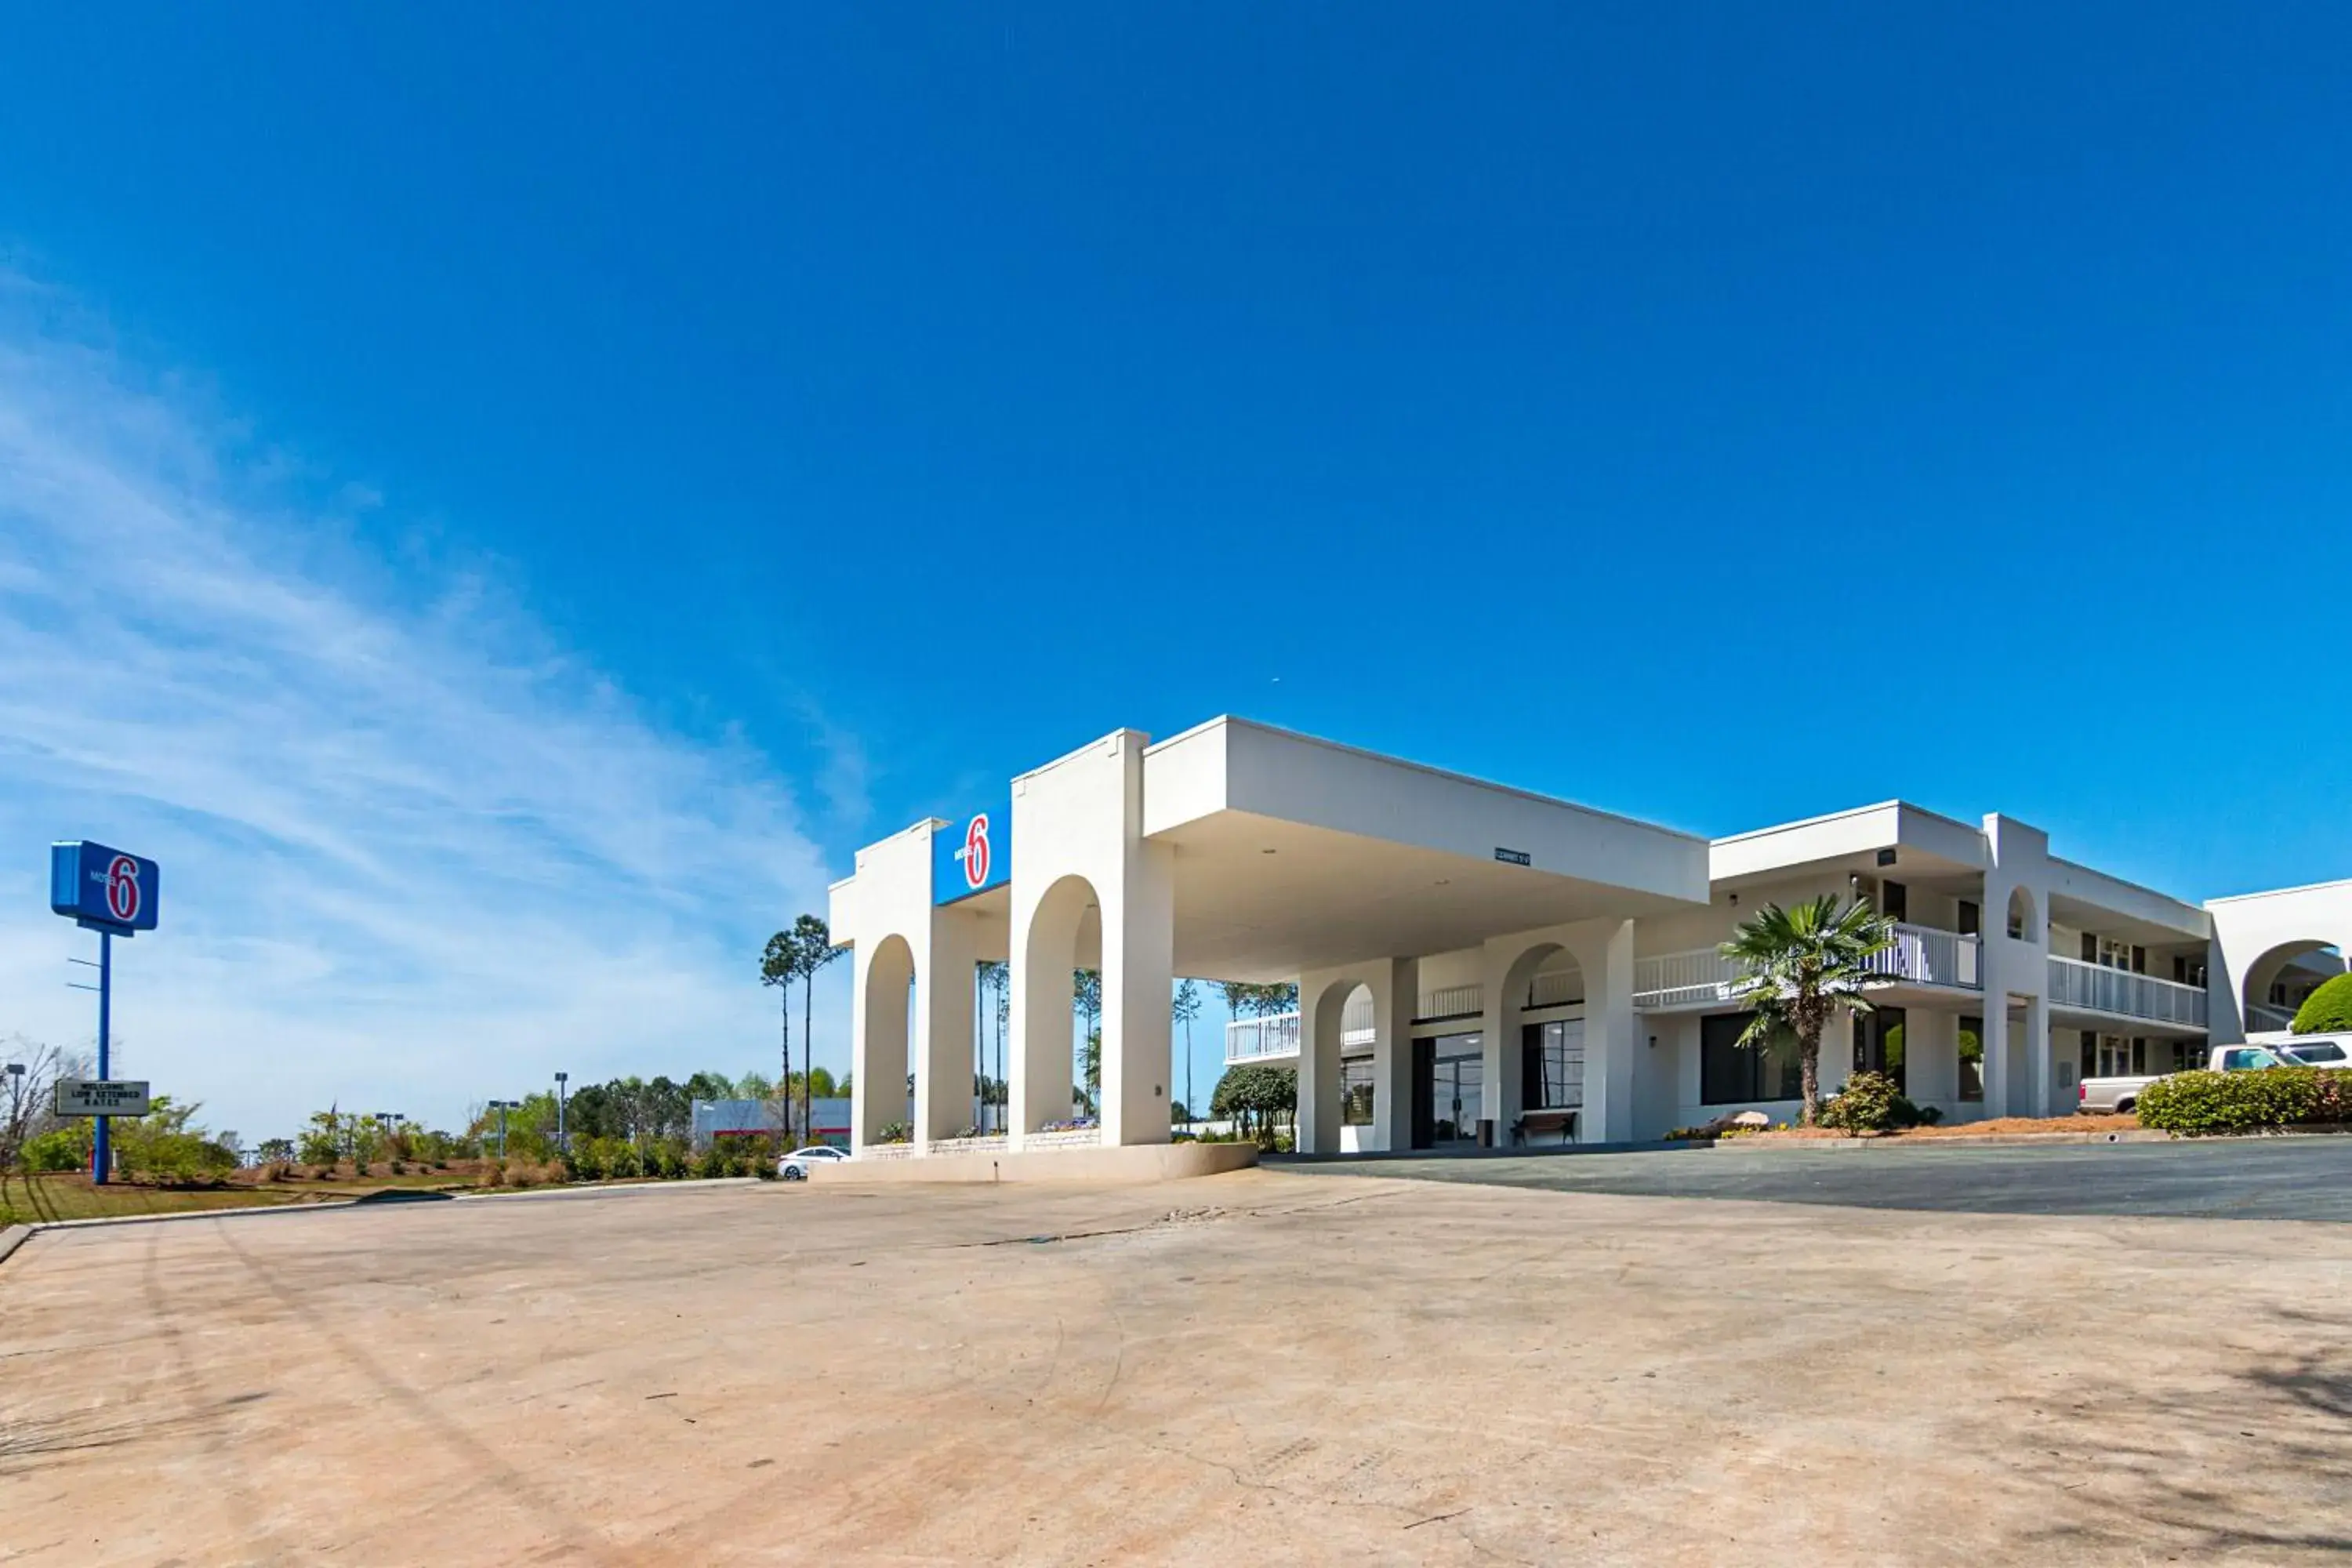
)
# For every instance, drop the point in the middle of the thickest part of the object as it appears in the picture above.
(1457, 1089)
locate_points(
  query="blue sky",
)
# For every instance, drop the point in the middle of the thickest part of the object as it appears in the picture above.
(503, 506)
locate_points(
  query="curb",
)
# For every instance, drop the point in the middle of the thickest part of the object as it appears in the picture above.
(15, 1236)
(595, 1191)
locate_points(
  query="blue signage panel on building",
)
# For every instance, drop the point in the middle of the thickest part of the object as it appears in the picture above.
(973, 854)
(104, 887)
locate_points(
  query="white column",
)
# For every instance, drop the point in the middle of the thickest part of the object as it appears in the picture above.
(1396, 996)
(1498, 1031)
(943, 1016)
(1610, 1038)
(1138, 979)
(1996, 1055)
(2038, 1060)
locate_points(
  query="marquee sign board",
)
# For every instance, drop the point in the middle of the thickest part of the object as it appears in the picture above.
(973, 854)
(104, 889)
(99, 1097)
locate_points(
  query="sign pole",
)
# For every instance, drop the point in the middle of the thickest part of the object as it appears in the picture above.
(99, 1162)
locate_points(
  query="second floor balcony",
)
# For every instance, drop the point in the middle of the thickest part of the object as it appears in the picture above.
(2081, 987)
(1702, 978)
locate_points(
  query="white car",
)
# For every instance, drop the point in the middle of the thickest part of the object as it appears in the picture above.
(794, 1166)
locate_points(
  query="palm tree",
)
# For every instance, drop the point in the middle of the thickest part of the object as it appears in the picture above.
(1798, 967)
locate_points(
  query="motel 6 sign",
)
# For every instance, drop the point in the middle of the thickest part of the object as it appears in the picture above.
(972, 856)
(104, 889)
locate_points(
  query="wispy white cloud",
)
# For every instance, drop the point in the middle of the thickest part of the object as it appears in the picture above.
(415, 852)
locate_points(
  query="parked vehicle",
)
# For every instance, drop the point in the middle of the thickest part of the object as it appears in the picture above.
(2312, 1050)
(2110, 1096)
(794, 1166)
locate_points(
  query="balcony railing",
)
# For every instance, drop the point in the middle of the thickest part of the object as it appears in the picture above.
(1702, 978)
(2096, 988)
(2262, 1018)
(1255, 1040)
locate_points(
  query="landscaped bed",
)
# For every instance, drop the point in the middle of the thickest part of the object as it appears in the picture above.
(1996, 1126)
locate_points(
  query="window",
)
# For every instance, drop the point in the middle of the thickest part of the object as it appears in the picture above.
(1355, 1091)
(1732, 1074)
(2326, 1051)
(1552, 1074)
(1971, 1059)
(1895, 900)
(1970, 921)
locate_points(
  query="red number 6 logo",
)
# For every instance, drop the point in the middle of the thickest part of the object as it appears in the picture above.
(975, 851)
(123, 889)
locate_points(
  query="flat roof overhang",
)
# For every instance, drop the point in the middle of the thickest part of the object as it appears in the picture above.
(1296, 854)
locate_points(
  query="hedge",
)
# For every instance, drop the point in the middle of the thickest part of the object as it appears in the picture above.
(2197, 1103)
(2327, 1010)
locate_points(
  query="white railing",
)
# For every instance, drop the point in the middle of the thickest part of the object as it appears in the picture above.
(2095, 988)
(1452, 1002)
(1260, 1039)
(1928, 956)
(1255, 1040)
(2262, 1018)
(1553, 990)
(1702, 978)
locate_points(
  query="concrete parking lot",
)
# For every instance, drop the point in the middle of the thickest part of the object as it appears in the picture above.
(1274, 1365)
(2302, 1178)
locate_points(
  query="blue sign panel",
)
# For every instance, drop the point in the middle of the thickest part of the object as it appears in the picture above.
(104, 887)
(974, 856)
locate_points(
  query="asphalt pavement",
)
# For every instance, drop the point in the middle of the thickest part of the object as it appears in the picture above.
(2300, 1178)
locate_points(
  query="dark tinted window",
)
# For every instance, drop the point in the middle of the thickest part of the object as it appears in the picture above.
(1730, 1073)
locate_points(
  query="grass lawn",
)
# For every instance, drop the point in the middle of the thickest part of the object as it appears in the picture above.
(69, 1194)
(26, 1200)
(62, 1195)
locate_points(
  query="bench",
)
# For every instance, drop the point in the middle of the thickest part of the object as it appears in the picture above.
(1534, 1122)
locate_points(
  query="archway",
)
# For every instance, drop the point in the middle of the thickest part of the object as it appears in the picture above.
(2024, 920)
(1065, 938)
(887, 997)
(2275, 985)
(1535, 1074)
(1343, 1022)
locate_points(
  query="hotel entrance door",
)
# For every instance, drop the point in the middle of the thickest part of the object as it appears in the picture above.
(1449, 1090)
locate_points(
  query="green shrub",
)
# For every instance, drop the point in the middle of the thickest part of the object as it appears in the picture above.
(668, 1160)
(713, 1161)
(2198, 1103)
(2327, 1010)
(65, 1149)
(1870, 1103)
(585, 1160)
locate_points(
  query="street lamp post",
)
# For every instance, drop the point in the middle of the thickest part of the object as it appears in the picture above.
(502, 1107)
(563, 1139)
(15, 1071)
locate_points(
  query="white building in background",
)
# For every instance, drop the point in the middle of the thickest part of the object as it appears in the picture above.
(1478, 963)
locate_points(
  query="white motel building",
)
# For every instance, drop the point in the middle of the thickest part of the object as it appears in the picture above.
(1478, 962)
